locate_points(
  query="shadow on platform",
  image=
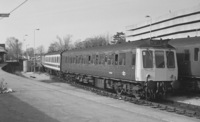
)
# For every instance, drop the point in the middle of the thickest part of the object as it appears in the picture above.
(13, 109)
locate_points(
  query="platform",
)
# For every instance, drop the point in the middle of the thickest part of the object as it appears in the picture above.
(52, 101)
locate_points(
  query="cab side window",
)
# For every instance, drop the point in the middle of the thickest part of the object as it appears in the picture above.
(196, 54)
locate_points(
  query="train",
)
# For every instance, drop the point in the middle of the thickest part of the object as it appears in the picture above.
(143, 69)
(188, 57)
(51, 62)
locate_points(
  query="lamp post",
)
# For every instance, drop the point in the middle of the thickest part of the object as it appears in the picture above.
(34, 47)
(149, 25)
(24, 39)
(17, 50)
(26, 51)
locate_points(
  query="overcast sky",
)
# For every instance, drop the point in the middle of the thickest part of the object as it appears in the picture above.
(80, 18)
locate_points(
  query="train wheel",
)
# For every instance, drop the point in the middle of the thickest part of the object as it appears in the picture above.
(118, 89)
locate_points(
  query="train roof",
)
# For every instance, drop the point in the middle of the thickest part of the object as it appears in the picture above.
(54, 53)
(126, 46)
(185, 41)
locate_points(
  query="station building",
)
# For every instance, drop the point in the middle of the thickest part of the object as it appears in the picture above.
(2, 53)
(179, 24)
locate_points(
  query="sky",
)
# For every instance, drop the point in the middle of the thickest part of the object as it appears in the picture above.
(79, 18)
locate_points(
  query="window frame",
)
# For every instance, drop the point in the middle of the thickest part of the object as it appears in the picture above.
(156, 61)
(174, 61)
(143, 61)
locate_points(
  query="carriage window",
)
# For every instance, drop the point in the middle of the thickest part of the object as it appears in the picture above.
(122, 59)
(89, 59)
(82, 60)
(196, 53)
(170, 59)
(109, 59)
(78, 59)
(106, 59)
(159, 59)
(93, 59)
(147, 59)
(102, 59)
(71, 60)
(133, 59)
(187, 55)
(116, 59)
(74, 60)
(97, 58)
(113, 59)
(66, 59)
(85, 59)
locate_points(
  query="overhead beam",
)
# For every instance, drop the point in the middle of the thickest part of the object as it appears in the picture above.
(4, 14)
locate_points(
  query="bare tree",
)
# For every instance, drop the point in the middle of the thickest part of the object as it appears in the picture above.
(54, 47)
(14, 48)
(61, 44)
(92, 42)
(29, 52)
(40, 50)
(65, 42)
(78, 44)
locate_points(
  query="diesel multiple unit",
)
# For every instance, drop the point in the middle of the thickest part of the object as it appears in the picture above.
(144, 68)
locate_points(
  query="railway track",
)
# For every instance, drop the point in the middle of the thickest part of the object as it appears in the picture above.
(165, 105)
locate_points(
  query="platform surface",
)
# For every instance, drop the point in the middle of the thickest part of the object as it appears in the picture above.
(49, 101)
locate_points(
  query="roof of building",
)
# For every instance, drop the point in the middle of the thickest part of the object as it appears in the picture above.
(2, 49)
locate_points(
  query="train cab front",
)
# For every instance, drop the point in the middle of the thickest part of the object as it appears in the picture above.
(157, 68)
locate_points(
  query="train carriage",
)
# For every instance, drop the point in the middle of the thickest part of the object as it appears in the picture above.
(188, 56)
(141, 68)
(51, 62)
